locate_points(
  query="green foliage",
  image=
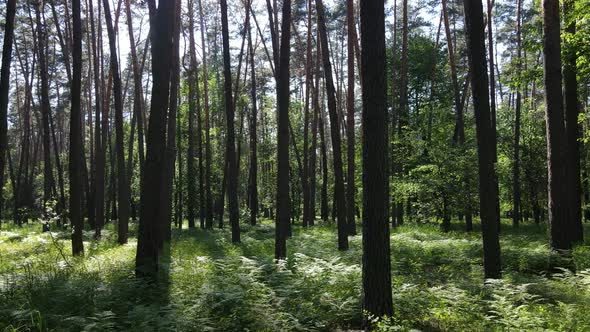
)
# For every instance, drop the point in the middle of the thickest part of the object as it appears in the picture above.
(211, 284)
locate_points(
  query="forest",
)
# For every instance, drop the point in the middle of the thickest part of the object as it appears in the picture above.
(294, 165)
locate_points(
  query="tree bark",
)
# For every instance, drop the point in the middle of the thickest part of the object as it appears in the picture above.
(459, 133)
(491, 58)
(335, 132)
(283, 202)
(232, 189)
(516, 218)
(61, 206)
(5, 87)
(190, 161)
(324, 150)
(314, 136)
(492, 74)
(402, 118)
(488, 196)
(556, 136)
(209, 197)
(351, 188)
(149, 233)
(253, 172)
(123, 186)
(308, 79)
(48, 181)
(99, 154)
(76, 142)
(376, 267)
(171, 130)
(138, 97)
(572, 109)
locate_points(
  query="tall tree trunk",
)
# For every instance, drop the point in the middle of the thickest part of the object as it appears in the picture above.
(490, 20)
(335, 131)
(48, 181)
(283, 91)
(324, 151)
(516, 218)
(433, 79)
(575, 229)
(402, 120)
(253, 173)
(351, 188)
(202, 207)
(5, 87)
(209, 197)
(491, 58)
(151, 212)
(76, 142)
(314, 137)
(308, 79)
(179, 215)
(376, 269)
(25, 156)
(61, 206)
(99, 154)
(273, 26)
(556, 135)
(138, 98)
(171, 130)
(459, 134)
(488, 195)
(230, 139)
(123, 186)
(190, 161)
(64, 44)
(393, 115)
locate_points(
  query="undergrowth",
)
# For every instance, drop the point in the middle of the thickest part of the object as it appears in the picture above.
(211, 284)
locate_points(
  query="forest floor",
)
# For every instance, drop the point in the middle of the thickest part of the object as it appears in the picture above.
(211, 284)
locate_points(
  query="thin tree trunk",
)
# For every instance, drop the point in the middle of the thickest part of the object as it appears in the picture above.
(230, 139)
(324, 152)
(191, 178)
(64, 44)
(308, 79)
(491, 58)
(351, 188)
(516, 217)
(76, 142)
(459, 134)
(99, 155)
(572, 109)
(170, 157)
(402, 119)
(314, 137)
(61, 206)
(488, 196)
(202, 207)
(5, 88)
(282, 62)
(123, 186)
(253, 173)
(48, 182)
(209, 197)
(138, 97)
(335, 132)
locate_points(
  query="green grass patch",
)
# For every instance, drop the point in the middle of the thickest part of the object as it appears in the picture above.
(214, 285)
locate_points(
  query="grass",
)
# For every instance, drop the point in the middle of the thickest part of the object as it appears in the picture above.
(212, 284)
